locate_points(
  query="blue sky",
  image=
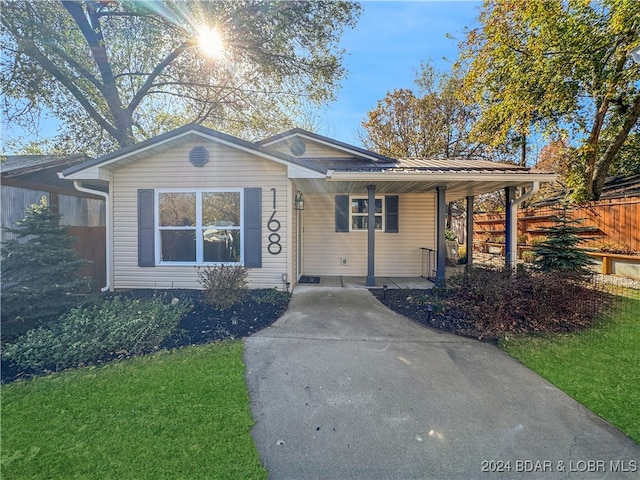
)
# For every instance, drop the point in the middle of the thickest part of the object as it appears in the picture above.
(384, 52)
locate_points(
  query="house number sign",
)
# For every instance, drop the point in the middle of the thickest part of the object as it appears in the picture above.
(273, 225)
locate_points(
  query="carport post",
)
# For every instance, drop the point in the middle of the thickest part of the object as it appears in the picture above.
(469, 232)
(441, 246)
(511, 221)
(371, 235)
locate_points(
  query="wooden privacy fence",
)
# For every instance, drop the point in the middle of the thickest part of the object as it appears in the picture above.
(614, 221)
(91, 246)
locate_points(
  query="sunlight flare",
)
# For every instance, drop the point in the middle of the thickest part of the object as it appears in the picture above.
(210, 42)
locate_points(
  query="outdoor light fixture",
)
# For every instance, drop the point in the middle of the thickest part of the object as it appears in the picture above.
(299, 200)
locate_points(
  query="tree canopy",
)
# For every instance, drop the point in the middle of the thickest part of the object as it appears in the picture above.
(433, 123)
(561, 68)
(116, 72)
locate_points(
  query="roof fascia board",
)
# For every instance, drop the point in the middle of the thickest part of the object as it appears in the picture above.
(335, 176)
(81, 171)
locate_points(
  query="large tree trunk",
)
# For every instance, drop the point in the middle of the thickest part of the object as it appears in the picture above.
(591, 150)
(606, 159)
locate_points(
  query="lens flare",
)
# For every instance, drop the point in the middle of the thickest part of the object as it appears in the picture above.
(210, 42)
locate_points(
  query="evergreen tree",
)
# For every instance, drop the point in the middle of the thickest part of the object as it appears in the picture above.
(560, 252)
(39, 271)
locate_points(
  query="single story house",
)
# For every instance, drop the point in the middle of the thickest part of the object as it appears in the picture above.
(293, 204)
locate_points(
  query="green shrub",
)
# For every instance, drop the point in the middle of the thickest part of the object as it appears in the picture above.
(538, 241)
(271, 296)
(489, 303)
(560, 252)
(613, 247)
(119, 326)
(39, 266)
(528, 256)
(224, 285)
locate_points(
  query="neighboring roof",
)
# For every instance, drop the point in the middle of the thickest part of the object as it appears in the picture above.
(619, 186)
(39, 172)
(174, 138)
(345, 147)
(13, 165)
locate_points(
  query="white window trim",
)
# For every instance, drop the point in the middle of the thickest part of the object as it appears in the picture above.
(351, 214)
(198, 227)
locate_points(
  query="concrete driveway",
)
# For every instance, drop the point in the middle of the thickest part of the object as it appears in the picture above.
(343, 388)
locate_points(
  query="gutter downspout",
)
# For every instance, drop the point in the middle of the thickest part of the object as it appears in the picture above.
(78, 186)
(512, 253)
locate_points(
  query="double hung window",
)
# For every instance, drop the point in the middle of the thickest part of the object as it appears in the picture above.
(199, 227)
(360, 213)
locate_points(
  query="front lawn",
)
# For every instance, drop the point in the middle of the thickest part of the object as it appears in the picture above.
(599, 367)
(174, 414)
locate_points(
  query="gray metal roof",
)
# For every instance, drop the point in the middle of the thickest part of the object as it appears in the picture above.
(425, 165)
(12, 165)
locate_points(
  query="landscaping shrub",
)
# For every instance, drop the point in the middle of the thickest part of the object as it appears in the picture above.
(560, 251)
(119, 326)
(528, 256)
(489, 302)
(224, 285)
(537, 241)
(40, 278)
(270, 296)
(613, 247)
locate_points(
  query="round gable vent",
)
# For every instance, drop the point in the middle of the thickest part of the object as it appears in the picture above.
(298, 147)
(198, 156)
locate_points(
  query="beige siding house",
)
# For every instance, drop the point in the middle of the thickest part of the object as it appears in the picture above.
(291, 206)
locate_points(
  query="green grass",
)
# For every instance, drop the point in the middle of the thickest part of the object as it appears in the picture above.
(599, 367)
(179, 414)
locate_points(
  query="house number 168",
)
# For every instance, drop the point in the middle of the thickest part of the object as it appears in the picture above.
(273, 225)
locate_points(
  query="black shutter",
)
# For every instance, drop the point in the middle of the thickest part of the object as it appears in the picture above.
(391, 211)
(146, 228)
(342, 213)
(253, 227)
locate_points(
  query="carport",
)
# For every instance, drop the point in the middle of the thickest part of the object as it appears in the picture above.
(438, 181)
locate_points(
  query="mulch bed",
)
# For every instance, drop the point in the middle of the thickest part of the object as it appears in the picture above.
(414, 304)
(202, 324)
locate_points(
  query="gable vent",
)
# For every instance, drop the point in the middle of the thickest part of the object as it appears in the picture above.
(298, 147)
(198, 156)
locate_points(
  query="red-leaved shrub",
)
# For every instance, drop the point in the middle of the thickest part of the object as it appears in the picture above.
(487, 303)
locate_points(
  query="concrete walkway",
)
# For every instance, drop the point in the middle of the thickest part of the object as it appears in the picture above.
(343, 388)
